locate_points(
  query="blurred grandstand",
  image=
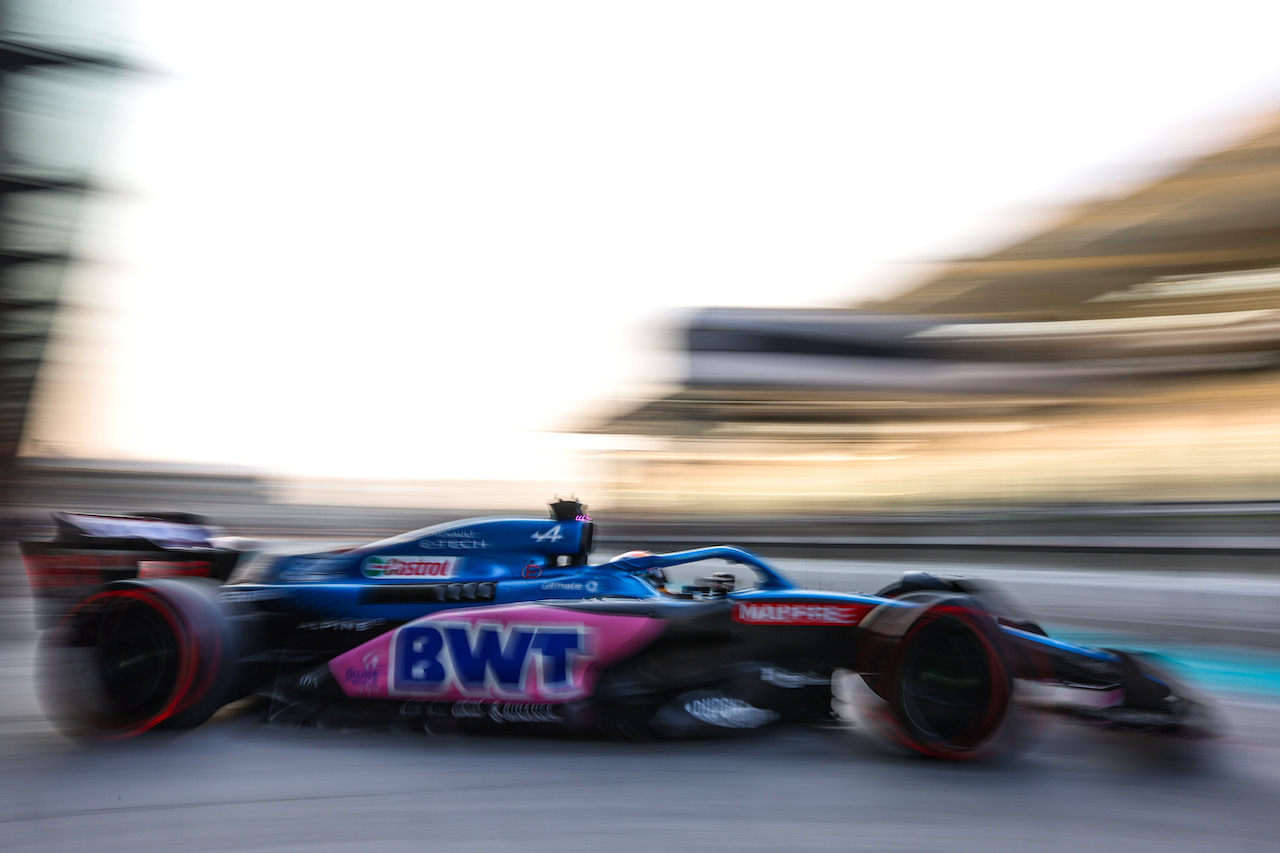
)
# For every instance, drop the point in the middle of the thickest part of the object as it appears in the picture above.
(1128, 353)
(59, 63)
(1125, 360)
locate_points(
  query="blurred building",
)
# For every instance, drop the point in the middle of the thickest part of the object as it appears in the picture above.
(1129, 352)
(59, 61)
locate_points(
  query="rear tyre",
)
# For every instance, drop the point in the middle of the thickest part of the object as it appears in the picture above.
(137, 656)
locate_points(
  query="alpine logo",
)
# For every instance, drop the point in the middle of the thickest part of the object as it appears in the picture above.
(487, 659)
(410, 567)
(798, 613)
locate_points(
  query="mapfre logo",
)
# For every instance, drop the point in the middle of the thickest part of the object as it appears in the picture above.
(798, 613)
(410, 567)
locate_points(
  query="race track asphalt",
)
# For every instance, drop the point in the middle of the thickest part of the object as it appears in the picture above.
(239, 784)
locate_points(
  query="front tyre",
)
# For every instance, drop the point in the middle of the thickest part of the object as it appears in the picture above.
(941, 668)
(950, 690)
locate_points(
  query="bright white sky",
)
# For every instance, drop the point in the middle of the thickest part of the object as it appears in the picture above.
(393, 239)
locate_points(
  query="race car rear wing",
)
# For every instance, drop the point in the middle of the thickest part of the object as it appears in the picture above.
(90, 550)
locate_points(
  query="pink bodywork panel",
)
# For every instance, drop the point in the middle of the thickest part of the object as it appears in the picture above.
(369, 670)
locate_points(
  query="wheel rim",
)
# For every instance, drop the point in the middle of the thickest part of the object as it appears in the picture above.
(947, 686)
(139, 658)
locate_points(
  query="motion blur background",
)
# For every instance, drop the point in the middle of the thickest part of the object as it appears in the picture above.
(914, 279)
(712, 258)
(990, 286)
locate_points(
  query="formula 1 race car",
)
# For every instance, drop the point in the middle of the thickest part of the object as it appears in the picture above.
(504, 623)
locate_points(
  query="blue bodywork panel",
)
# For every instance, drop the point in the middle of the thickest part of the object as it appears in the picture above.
(472, 562)
(476, 562)
(488, 561)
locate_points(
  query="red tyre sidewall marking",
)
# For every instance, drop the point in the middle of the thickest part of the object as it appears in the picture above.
(1000, 691)
(183, 694)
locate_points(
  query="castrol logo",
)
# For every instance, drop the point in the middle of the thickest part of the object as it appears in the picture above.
(410, 567)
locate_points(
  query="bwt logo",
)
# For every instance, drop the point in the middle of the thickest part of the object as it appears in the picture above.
(431, 657)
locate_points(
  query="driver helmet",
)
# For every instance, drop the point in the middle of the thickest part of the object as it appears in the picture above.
(656, 576)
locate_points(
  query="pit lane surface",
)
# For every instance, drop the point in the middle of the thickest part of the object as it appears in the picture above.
(237, 784)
